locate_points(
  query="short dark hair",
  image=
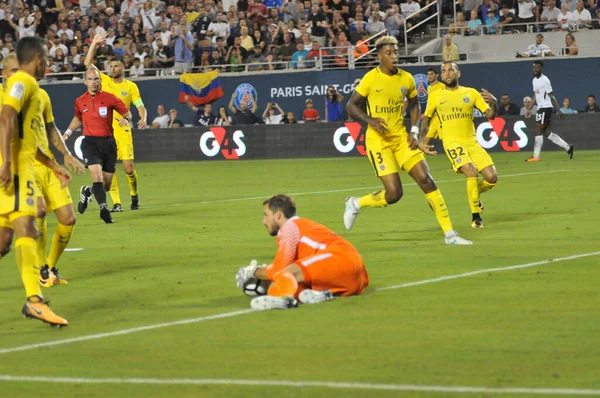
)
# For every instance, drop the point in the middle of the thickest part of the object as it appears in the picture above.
(503, 94)
(119, 60)
(29, 47)
(282, 203)
(540, 63)
(592, 96)
(432, 70)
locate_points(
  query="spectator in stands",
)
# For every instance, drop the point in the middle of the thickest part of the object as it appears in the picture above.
(506, 107)
(528, 108)
(591, 104)
(410, 12)
(273, 113)
(394, 22)
(162, 120)
(218, 28)
(333, 105)
(342, 46)
(173, 121)
(223, 118)
(184, 44)
(310, 114)
(288, 48)
(299, 57)
(137, 69)
(566, 108)
(330, 6)
(596, 22)
(289, 119)
(492, 22)
(257, 12)
(318, 24)
(474, 25)
(507, 19)
(450, 50)
(460, 27)
(584, 18)
(528, 13)
(244, 115)
(570, 45)
(315, 54)
(234, 58)
(204, 116)
(163, 56)
(485, 8)
(468, 6)
(537, 49)
(376, 25)
(256, 58)
(566, 19)
(150, 68)
(550, 14)
(571, 4)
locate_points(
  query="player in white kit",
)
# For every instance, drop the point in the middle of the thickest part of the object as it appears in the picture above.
(544, 97)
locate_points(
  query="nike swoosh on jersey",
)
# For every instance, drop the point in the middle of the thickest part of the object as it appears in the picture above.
(379, 90)
(442, 103)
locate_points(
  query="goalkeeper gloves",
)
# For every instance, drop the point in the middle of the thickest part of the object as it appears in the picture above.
(245, 273)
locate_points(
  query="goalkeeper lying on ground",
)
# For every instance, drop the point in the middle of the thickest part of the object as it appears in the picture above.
(313, 264)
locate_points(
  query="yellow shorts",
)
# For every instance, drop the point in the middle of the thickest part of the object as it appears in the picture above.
(388, 156)
(434, 127)
(19, 200)
(49, 188)
(461, 153)
(124, 143)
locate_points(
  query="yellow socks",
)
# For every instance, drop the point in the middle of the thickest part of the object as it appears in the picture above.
(473, 194)
(375, 199)
(484, 186)
(114, 190)
(284, 285)
(27, 262)
(438, 205)
(41, 240)
(133, 183)
(60, 240)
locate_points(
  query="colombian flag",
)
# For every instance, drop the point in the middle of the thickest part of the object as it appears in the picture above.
(201, 88)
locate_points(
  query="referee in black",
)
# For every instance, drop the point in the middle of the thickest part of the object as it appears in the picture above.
(94, 110)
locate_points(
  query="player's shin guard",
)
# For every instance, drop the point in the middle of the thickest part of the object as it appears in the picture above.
(375, 199)
(283, 285)
(484, 186)
(537, 146)
(114, 190)
(27, 261)
(60, 240)
(41, 240)
(558, 141)
(132, 180)
(438, 205)
(99, 193)
(473, 194)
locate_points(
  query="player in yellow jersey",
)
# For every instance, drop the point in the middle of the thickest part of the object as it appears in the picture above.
(51, 195)
(21, 126)
(454, 106)
(378, 100)
(434, 125)
(130, 94)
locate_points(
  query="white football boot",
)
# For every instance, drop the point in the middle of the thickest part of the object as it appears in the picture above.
(452, 238)
(272, 303)
(351, 212)
(310, 296)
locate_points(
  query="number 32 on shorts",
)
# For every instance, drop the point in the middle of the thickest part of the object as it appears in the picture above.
(456, 152)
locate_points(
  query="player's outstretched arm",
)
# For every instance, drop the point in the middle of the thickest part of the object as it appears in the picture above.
(356, 106)
(57, 141)
(415, 114)
(89, 58)
(492, 101)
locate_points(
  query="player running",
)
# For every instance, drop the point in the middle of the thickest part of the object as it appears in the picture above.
(381, 92)
(452, 106)
(312, 263)
(545, 100)
(129, 93)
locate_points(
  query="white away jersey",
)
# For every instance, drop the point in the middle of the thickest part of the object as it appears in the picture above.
(542, 87)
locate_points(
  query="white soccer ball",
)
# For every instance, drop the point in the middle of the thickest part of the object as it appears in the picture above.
(256, 287)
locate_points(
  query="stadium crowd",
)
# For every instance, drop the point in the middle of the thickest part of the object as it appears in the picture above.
(153, 36)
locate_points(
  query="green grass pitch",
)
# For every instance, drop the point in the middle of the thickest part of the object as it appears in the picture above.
(176, 258)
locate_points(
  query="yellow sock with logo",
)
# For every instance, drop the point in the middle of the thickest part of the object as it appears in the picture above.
(438, 205)
(27, 262)
(60, 240)
(41, 240)
(484, 186)
(133, 183)
(473, 194)
(114, 190)
(375, 199)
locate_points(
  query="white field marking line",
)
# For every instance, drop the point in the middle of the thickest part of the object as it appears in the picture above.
(74, 249)
(305, 384)
(207, 202)
(243, 312)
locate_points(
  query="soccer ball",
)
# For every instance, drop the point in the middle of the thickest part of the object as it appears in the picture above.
(256, 287)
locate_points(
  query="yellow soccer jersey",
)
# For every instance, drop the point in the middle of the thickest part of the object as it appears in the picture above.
(48, 118)
(385, 98)
(434, 126)
(455, 112)
(126, 90)
(1, 95)
(22, 94)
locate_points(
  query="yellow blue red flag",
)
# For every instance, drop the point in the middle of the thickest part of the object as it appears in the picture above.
(201, 88)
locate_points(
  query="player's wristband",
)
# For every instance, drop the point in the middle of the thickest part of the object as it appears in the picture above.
(68, 132)
(414, 131)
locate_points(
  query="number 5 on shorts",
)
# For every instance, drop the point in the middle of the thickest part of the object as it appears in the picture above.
(30, 189)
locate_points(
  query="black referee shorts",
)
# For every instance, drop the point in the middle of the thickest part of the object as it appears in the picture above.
(100, 150)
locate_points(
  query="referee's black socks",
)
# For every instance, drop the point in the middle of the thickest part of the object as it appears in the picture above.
(99, 193)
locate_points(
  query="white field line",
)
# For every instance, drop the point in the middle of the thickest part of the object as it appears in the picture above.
(243, 312)
(306, 384)
(207, 202)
